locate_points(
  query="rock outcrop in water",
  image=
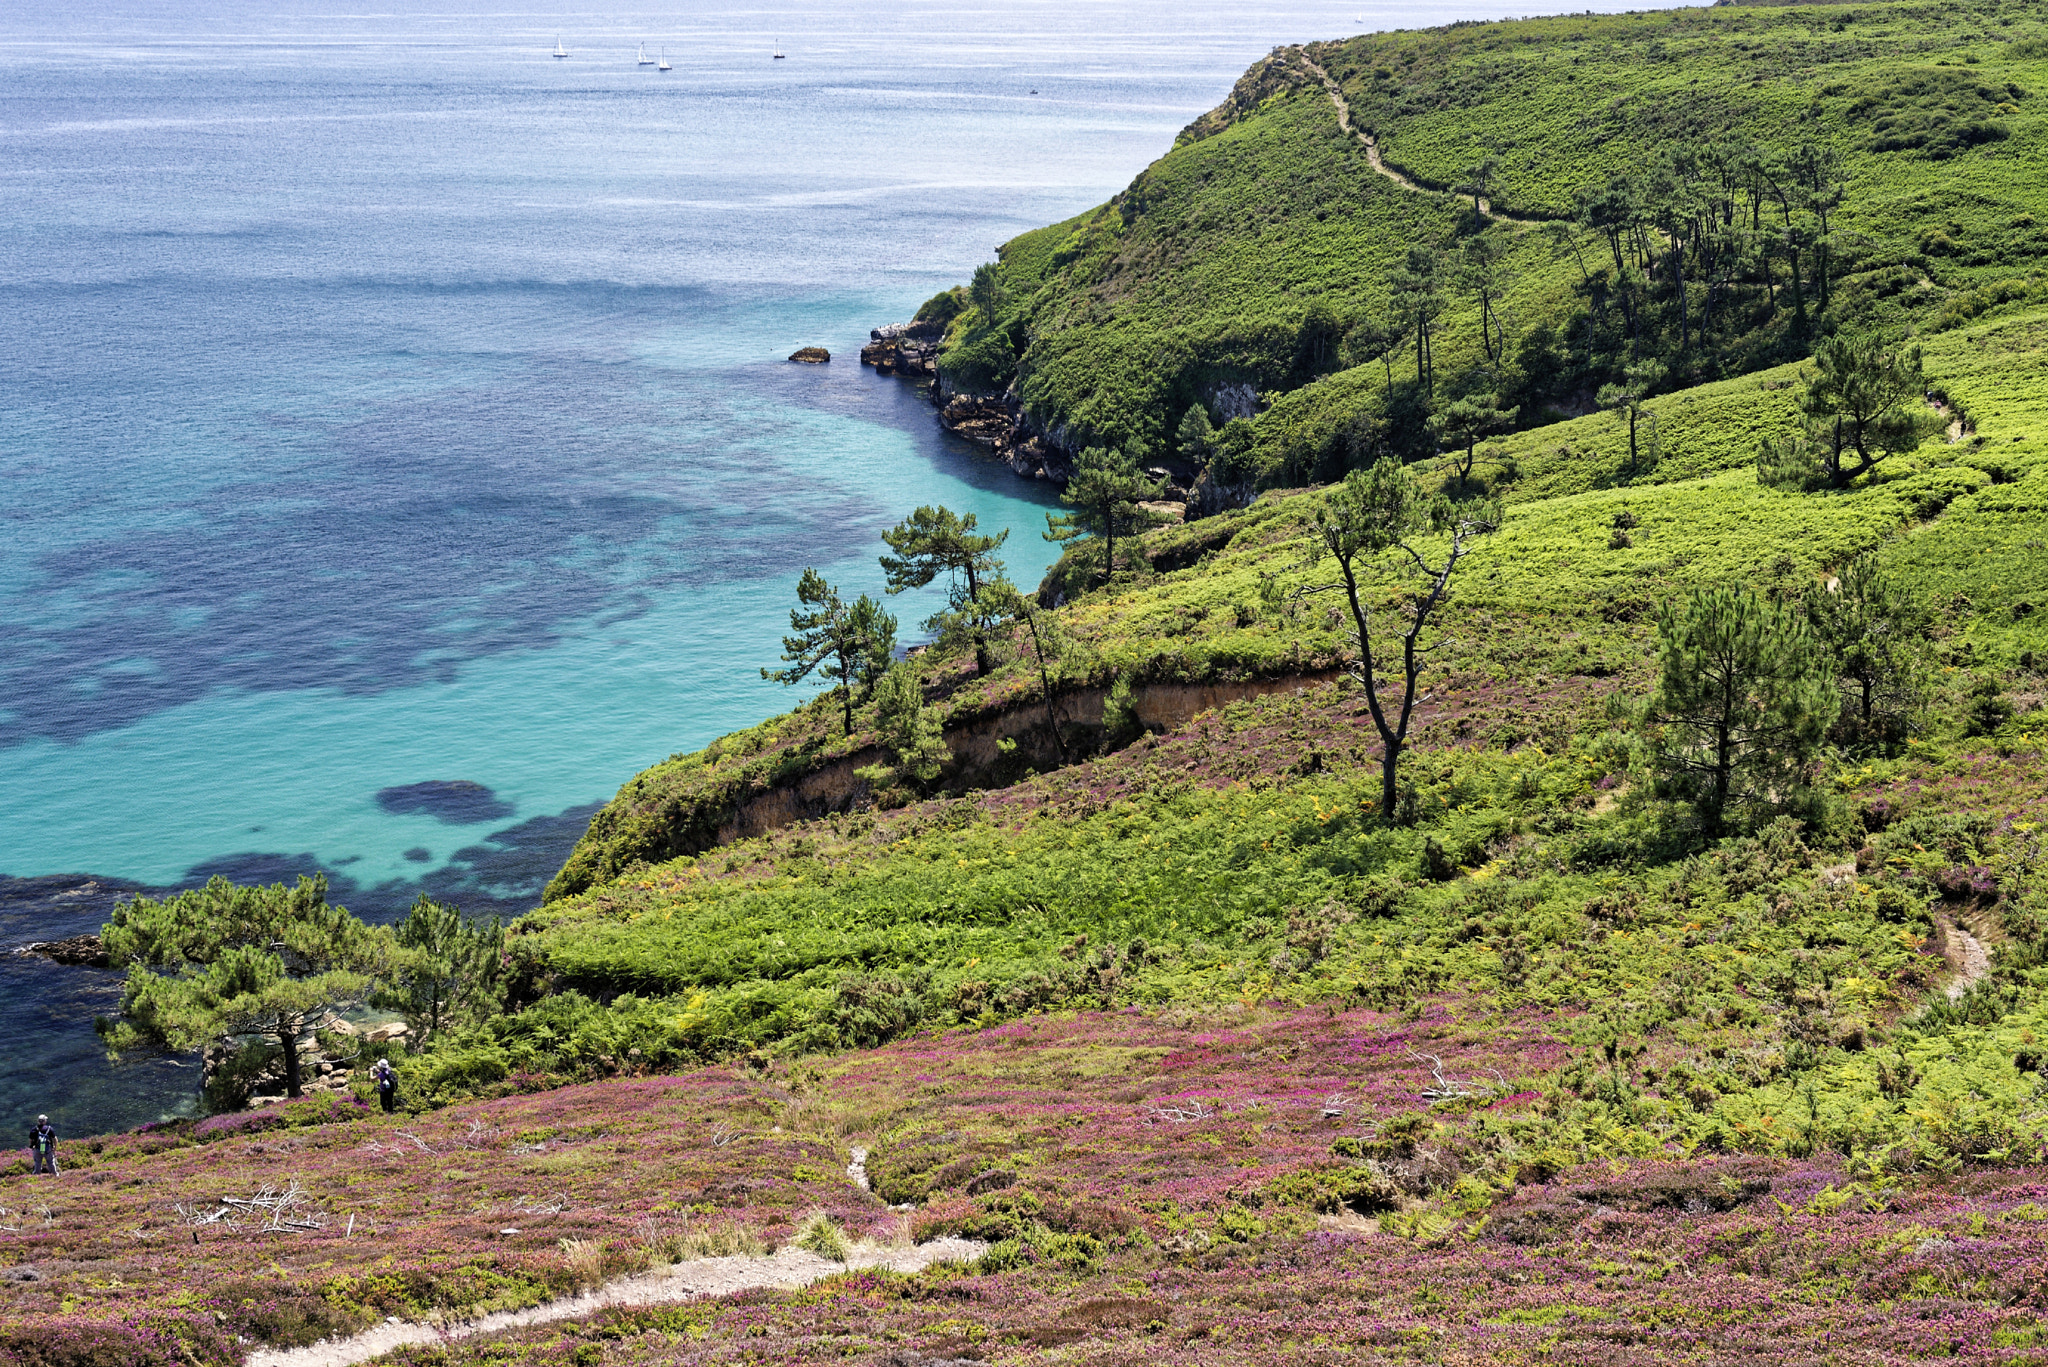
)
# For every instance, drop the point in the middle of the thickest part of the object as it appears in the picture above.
(80, 951)
(999, 423)
(810, 355)
(909, 349)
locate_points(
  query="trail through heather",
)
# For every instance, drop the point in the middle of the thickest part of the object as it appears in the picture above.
(787, 1267)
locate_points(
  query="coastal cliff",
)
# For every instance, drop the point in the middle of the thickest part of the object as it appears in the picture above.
(1224, 1046)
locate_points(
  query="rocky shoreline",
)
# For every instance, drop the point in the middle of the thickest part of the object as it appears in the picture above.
(998, 422)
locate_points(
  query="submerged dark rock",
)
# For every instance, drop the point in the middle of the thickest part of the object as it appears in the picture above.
(454, 802)
(82, 951)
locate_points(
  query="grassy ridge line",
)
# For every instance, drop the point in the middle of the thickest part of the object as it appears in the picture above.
(1562, 105)
(1201, 271)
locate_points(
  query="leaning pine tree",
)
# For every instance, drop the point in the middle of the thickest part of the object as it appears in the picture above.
(226, 964)
(935, 541)
(1744, 697)
(848, 644)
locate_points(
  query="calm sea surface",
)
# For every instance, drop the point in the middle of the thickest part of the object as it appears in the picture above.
(386, 404)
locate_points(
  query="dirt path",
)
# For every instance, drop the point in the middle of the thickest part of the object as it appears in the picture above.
(1966, 955)
(1372, 153)
(789, 1267)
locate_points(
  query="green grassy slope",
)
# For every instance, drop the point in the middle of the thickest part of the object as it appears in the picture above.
(1202, 272)
(1241, 858)
(1548, 596)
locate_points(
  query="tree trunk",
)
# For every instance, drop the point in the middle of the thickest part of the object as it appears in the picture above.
(289, 1039)
(1724, 767)
(1390, 767)
(1798, 291)
(1052, 720)
(1678, 280)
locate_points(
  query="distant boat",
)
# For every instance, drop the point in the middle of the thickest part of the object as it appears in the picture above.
(560, 51)
(778, 52)
(664, 62)
(644, 59)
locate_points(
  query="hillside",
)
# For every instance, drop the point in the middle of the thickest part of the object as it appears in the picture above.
(1146, 990)
(1816, 166)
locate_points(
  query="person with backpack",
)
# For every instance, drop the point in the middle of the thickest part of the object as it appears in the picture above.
(42, 1142)
(386, 1079)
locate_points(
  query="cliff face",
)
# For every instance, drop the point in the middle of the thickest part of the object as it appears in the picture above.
(650, 825)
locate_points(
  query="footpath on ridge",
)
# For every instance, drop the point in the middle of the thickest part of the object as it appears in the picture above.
(1372, 153)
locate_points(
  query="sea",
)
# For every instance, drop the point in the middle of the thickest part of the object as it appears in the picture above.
(397, 446)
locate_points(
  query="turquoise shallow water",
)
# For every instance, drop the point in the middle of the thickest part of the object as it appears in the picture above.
(385, 403)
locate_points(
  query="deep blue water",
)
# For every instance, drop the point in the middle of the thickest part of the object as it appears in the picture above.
(396, 449)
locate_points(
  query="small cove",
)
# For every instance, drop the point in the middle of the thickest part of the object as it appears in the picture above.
(404, 454)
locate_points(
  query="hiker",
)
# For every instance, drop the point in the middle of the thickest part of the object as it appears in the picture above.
(42, 1141)
(386, 1078)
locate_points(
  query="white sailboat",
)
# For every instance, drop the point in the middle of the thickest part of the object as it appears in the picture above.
(778, 51)
(560, 51)
(664, 62)
(644, 59)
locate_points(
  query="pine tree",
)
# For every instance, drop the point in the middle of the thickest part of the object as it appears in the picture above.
(987, 292)
(1876, 637)
(935, 541)
(445, 968)
(1104, 491)
(1744, 697)
(1050, 650)
(1630, 400)
(847, 644)
(1380, 514)
(1464, 422)
(1196, 437)
(911, 731)
(224, 963)
(1861, 397)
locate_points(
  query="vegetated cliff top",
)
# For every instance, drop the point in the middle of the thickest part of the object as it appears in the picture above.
(1252, 251)
(1213, 602)
(1781, 173)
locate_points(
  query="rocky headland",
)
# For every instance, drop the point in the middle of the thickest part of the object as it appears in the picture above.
(999, 422)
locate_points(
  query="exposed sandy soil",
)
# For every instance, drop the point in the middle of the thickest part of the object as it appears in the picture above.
(1966, 955)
